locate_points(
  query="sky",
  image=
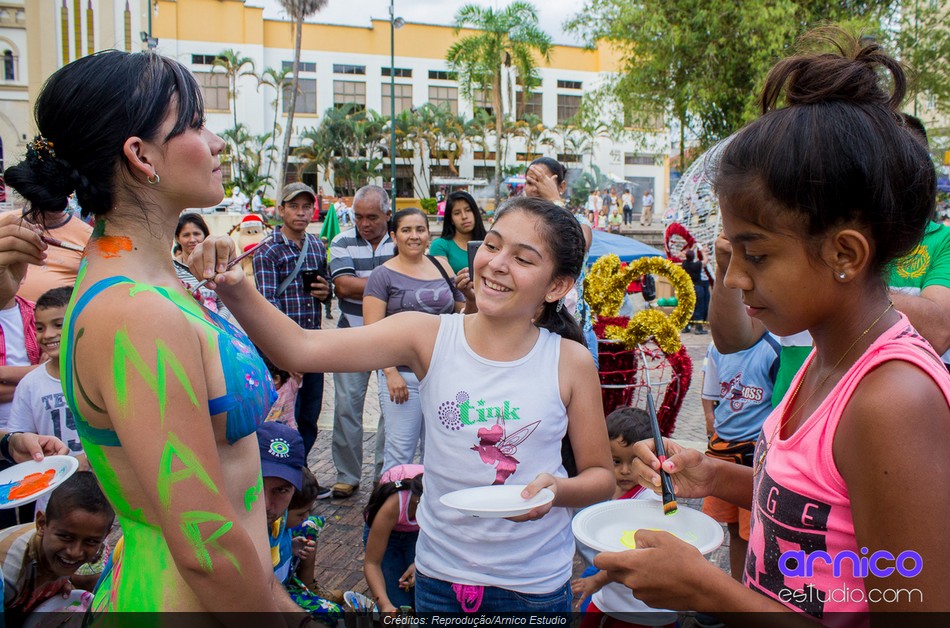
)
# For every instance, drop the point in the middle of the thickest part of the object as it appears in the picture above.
(551, 13)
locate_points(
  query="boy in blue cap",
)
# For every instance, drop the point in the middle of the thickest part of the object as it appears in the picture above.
(282, 467)
(282, 462)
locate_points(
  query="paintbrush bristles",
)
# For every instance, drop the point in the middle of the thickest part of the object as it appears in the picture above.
(669, 508)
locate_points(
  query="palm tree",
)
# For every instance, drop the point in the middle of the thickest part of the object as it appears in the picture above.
(277, 80)
(298, 10)
(316, 149)
(478, 131)
(234, 66)
(535, 134)
(509, 39)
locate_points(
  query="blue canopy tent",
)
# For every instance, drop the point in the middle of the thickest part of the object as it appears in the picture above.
(627, 249)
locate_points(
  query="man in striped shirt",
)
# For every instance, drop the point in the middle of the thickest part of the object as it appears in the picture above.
(353, 256)
(275, 262)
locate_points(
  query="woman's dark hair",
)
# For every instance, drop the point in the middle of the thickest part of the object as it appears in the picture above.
(838, 153)
(79, 492)
(402, 214)
(556, 167)
(448, 227)
(631, 425)
(194, 219)
(564, 238)
(384, 491)
(309, 488)
(85, 113)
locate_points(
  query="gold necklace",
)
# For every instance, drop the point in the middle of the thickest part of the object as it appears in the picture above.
(760, 461)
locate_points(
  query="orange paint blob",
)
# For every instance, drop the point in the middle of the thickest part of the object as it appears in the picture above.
(32, 484)
(110, 246)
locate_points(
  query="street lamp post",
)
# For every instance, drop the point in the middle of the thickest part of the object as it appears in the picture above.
(394, 23)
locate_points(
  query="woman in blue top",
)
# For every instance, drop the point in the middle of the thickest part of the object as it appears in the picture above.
(166, 395)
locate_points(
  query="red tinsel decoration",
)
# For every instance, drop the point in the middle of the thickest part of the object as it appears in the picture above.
(619, 365)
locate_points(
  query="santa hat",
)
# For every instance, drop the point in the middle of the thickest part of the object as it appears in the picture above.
(252, 221)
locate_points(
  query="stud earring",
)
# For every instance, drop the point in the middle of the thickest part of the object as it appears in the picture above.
(842, 276)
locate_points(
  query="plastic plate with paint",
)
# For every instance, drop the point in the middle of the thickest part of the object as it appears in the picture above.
(27, 481)
(496, 501)
(610, 526)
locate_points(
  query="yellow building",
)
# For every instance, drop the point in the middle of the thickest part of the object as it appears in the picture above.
(340, 64)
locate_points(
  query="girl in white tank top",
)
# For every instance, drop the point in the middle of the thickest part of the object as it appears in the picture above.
(500, 390)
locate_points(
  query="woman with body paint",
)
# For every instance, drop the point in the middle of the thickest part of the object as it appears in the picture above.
(513, 378)
(166, 395)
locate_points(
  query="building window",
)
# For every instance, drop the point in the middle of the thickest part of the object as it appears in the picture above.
(403, 98)
(345, 92)
(306, 96)
(531, 105)
(636, 159)
(568, 158)
(203, 59)
(569, 84)
(442, 75)
(567, 107)
(398, 72)
(349, 69)
(442, 96)
(9, 66)
(304, 66)
(214, 90)
(482, 99)
(643, 120)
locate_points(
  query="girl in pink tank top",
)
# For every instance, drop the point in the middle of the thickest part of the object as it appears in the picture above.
(849, 481)
(390, 536)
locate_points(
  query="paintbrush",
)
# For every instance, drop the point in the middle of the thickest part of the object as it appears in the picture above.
(69, 246)
(236, 260)
(669, 499)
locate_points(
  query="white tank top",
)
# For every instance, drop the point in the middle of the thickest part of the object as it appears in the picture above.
(491, 422)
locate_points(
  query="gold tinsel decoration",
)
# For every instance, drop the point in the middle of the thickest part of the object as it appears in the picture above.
(605, 287)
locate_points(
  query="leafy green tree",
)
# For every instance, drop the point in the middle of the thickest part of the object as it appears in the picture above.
(507, 39)
(354, 136)
(923, 41)
(234, 66)
(298, 10)
(703, 61)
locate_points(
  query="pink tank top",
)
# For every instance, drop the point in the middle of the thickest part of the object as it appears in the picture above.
(801, 503)
(403, 472)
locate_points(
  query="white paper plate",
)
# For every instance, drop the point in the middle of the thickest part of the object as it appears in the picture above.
(10, 479)
(496, 501)
(605, 527)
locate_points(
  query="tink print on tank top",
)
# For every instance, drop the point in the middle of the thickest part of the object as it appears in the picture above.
(496, 445)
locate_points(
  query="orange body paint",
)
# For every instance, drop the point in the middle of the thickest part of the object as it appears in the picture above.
(110, 246)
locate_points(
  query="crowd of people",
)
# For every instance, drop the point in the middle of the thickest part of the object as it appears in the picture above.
(155, 360)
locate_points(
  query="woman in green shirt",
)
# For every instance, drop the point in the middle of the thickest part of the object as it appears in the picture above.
(463, 223)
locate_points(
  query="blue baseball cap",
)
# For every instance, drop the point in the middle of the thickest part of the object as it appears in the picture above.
(282, 452)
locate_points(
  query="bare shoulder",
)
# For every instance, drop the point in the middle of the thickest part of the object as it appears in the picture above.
(135, 309)
(896, 408)
(574, 354)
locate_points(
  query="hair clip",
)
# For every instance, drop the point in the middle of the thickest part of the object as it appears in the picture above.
(40, 144)
(398, 483)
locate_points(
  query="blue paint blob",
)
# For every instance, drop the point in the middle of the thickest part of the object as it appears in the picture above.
(5, 491)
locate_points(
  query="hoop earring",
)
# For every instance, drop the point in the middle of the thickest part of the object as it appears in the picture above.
(157, 180)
